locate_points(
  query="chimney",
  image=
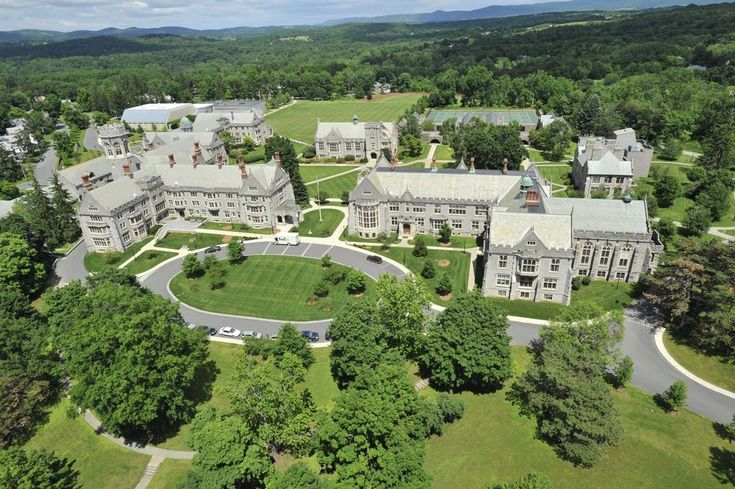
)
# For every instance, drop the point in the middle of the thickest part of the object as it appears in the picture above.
(505, 166)
(243, 168)
(472, 165)
(86, 184)
(220, 161)
(194, 160)
(126, 170)
(277, 158)
(433, 165)
(533, 198)
(393, 163)
(197, 147)
(171, 161)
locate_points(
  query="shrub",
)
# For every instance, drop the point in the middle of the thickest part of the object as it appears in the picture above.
(309, 152)
(321, 289)
(428, 271)
(363, 160)
(445, 233)
(586, 280)
(419, 247)
(216, 277)
(696, 173)
(623, 372)
(674, 397)
(350, 158)
(322, 197)
(355, 282)
(450, 407)
(345, 197)
(671, 149)
(262, 347)
(577, 283)
(334, 277)
(326, 261)
(697, 220)
(444, 285)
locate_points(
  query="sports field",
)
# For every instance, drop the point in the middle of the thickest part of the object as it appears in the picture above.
(298, 121)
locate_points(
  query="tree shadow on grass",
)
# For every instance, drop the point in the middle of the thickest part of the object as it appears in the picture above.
(722, 463)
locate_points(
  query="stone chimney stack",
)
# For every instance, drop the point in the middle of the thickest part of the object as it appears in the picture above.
(171, 161)
(126, 170)
(220, 161)
(505, 166)
(86, 183)
(393, 163)
(197, 147)
(472, 165)
(433, 165)
(194, 160)
(277, 159)
(243, 168)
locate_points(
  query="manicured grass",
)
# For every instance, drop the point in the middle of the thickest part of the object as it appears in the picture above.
(311, 173)
(193, 241)
(334, 187)
(528, 309)
(493, 443)
(454, 242)
(81, 154)
(561, 175)
(444, 152)
(353, 238)
(319, 380)
(404, 157)
(609, 295)
(311, 226)
(148, 260)
(171, 474)
(95, 262)
(299, 120)
(730, 232)
(713, 369)
(458, 267)
(101, 463)
(234, 226)
(274, 287)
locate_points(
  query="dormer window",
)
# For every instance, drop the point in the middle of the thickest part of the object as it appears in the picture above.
(367, 192)
(91, 207)
(531, 242)
(253, 188)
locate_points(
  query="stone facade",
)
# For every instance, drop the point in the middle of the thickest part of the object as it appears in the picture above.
(357, 139)
(250, 123)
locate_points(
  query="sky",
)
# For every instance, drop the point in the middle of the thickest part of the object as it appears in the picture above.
(69, 15)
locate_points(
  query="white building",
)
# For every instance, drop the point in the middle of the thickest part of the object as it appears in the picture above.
(156, 116)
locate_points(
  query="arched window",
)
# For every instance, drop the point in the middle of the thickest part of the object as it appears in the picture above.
(367, 217)
(586, 253)
(605, 254)
(625, 252)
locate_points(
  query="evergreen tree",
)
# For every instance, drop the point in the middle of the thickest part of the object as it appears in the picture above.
(697, 220)
(36, 469)
(235, 249)
(445, 233)
(444, 285)
(36, 209)
(587, 118)
(63, 221)
(419, 247)
(428, 271)
(289, 162)
(192, 267)
(10, 170)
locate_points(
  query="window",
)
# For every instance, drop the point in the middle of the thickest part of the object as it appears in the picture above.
(503, 261)
(548, 297)
(619, 180)
(91, 207)
(475, 225)
(457, 209)
(480, 211)
(605, 254)
(195, 202)
(525, 282)
(253, 189)
(393, 207)
(101, 242)
(436, 225)
(586, 253)
(623, 262)
(160, 206)
(367, 217)
(333, 147)
(230, 204)
(394, 222)
(503, 280)
(601, 273)
(419, 208)
(625, 255)
(437, 209)
(348, 146)
(457, 223)
(555, 262)
(549, 283)
(503, 293)
(531, 242)
(126, 237)
(145, 211)
(582, 273)
(99, 229)
(620, 275)
(525, 295)
(420, 222)
(528, 265)
(95, 218)
(367, 192)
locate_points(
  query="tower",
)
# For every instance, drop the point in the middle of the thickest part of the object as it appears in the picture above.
(114, 140)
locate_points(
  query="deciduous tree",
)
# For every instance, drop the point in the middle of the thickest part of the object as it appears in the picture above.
(20, 264)
(290, 340)
(36, 469)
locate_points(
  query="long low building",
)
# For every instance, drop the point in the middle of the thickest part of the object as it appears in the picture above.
(533, 244)
(156, 116)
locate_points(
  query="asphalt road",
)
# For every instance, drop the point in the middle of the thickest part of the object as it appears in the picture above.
(652, 372)
(90, 139)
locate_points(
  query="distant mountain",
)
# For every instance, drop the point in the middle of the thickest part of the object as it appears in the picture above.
(494, 11)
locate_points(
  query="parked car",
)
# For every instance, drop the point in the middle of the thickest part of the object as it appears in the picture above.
(191, 325)
(375, 259)
(210, 330)
(253, 334)
(311, 336)
(213, 249)
(231, 332)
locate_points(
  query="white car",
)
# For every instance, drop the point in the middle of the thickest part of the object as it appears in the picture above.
(254, 334)
(231, 332)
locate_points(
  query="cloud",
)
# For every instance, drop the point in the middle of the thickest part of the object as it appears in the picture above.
(97, 14)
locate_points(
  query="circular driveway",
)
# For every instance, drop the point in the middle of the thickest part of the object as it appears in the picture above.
(159, 279)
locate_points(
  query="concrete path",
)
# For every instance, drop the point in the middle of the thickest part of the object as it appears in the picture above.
(150, 472)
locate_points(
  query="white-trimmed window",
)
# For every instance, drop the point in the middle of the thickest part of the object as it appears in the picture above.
(502, 280)
(420, 222)
(456, 224)
(528, 265)
(625, 255)
(605, 254)
(394, 222)
(475, 225)
(457, 209)
(555, 263)
(436, 225)
(393, 207)
(367, 217)
(548, 297)
(620, 275)
(525, 282)
(480, 211)
(582, 273)
(419, 208)
(503, 293)
(525, 295)
(95, 218)
(333, 147)
(531, 242)
(549, 283)
(101, 242)
(601, 273)
(437, 208)
(503, 261)
(586, 253)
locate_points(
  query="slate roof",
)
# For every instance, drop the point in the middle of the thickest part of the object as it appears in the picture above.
(346, 130)
(609, 215)
(609, 164)
(211, 121)
(112, 195)
(97, 166)
(509, 228)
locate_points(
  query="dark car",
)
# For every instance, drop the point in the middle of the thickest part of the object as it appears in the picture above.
(210, 330)
(311, 336)
(213, 249)
(375, 259)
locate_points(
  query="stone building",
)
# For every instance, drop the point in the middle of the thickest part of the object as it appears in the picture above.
(249, 123)
(359, 139)
(121, 213)
(611, 165)
(207, 147)
(533, 244)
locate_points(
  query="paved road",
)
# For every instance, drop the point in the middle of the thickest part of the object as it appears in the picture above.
(71, 267)
(90, 139)
(158, 282)
(652, 372)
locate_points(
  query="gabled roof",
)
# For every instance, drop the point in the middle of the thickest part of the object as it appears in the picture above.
(112, 195)
(212, 121)
(609, 164)
(510, 228)
(608, 215)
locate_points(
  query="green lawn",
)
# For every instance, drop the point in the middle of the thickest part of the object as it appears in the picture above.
(334, 187)
(101, 463)
(560, 175)
(234, 226)
(354, 238)
(224, 355)
(94, 262)
(311, 173)
(311, 226)
(81, 154)
(493, 443)
(274, 287)
(319, 380)
(404, 157)
(193, 241)
(454, 242)
(148, 260)
(171, 474)
(299, 120)
(444, 152)
(713, 369)
(528, 309)
(458, 267)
